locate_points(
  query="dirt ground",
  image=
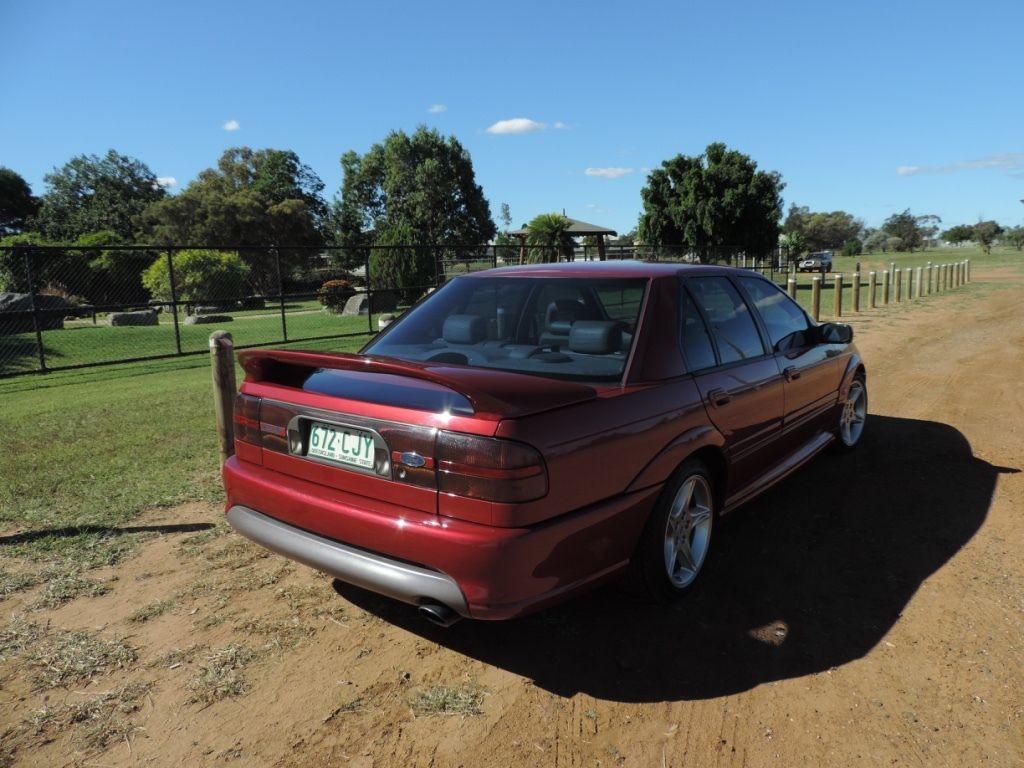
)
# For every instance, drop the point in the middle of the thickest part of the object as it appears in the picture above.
(869, 611)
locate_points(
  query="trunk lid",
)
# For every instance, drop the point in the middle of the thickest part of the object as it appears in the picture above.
(399, 405)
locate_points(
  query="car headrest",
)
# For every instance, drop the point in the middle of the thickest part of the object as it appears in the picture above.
(595, 337)
(566, 311)
(464, 329)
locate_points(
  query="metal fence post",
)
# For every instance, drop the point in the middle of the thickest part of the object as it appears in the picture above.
(280, 293)
(174, 300)
(35, 311)
(369, 291)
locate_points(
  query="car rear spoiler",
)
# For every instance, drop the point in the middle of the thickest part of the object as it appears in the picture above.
(492, 393)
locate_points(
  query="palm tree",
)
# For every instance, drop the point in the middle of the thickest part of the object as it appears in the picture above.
(549, 238)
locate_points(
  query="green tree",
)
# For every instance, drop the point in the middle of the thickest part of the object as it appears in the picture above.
(422, 185)
(985, 233)
(794, 243)
(961, 233)
(852, 247)
(1014, 236)
(16, 202)
(199, 275)
(505, 216)
(400, 264)
(90, 193)
(876, 240)
(911, 232)
(549, 239)
(715, 200)
(824, 230)
(252, 198)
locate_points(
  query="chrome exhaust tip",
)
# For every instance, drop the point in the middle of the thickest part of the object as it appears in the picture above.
(438, 614)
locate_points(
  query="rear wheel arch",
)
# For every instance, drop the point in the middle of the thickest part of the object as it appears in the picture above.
(713, 458)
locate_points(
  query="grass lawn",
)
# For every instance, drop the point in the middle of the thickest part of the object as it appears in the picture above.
(91, 448)
(82, 342)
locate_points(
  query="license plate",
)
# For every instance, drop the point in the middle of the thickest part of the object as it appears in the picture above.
(341, 444)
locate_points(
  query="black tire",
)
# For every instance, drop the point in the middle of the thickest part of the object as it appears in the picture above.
(650, 561)
(841, 443)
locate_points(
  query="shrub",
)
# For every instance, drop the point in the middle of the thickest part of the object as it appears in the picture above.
(334, 294)
(852, 247)
(199, 275)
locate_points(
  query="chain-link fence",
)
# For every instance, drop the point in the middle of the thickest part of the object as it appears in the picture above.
(76, 306)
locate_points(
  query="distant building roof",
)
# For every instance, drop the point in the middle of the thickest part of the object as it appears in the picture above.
(577, 228)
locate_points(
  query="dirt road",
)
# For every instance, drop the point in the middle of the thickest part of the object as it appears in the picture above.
(869, 611)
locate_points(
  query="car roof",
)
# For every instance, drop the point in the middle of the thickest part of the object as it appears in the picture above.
(624, 268)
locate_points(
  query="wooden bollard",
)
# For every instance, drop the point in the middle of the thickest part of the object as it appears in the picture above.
(908, 278)
(837, 283)
(791, 286)
(967, 263)
(872, 279)
(885, 287)
(222, 364)
(918, 273)
(928, 278)
(898, 287)
(940, 279)
(816, 297)
(960, 273)
(856, 291)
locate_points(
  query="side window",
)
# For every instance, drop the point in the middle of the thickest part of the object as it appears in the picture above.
(622, 303)
(786, 323)
(697, 349)
(732, 325)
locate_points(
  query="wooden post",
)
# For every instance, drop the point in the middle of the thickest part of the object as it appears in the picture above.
(918, 273)
(968, 263)
(872, 278)
(856, 291)
(222, 362)
(898, 288)
(928, 278)
(600, 248)
(885, 287)
(837, 283)
(908, 273)
(816, 297)
(960, 273)
(791, 286)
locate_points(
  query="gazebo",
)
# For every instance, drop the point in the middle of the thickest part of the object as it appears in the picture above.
(577, 228)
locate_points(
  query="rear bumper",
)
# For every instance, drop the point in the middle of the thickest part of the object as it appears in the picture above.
(480, 571)
(402, 581)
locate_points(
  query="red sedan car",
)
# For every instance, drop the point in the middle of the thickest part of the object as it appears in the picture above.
(525, 433)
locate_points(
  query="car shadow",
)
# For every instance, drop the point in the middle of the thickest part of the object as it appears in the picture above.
(808, 577)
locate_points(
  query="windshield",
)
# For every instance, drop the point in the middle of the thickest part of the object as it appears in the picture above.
(567, 328)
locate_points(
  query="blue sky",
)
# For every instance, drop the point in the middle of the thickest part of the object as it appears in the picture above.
(870, 107)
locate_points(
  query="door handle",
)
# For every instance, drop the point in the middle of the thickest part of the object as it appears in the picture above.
(719, 397)
(791, 373)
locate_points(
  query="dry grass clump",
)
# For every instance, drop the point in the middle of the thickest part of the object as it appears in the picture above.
(151, 611)
(62, 585)
(220, 674)
(61, 658)
(449, 700)
(11, 583)
(96, 722)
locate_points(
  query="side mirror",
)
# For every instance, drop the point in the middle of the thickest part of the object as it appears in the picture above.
(834, 333)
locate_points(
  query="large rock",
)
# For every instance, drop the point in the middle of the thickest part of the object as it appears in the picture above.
(207, 319)
(212, 309)
(142, 317)
(51, 312)
(360, 304)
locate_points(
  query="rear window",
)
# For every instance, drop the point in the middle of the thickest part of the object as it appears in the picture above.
(568, 328)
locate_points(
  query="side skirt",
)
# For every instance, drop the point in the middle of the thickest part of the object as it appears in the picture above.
(793, 462)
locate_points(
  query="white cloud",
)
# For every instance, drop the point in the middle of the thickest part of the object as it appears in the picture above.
(1005, 161)
(517, 125)
(608, 173)
(559, 125)
(166, 181)
(597, 208)
(231, 125)
(436, 109)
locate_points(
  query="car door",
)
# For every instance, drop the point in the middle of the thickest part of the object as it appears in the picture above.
(810, 369)
(738, 378)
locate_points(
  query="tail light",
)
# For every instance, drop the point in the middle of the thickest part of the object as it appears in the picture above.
(489, 469)
(247, 419)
